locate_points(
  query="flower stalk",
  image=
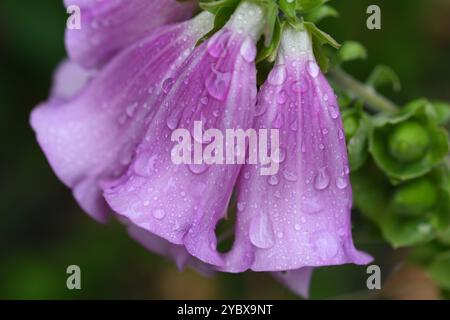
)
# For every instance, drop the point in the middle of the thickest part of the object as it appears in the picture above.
(375, 101)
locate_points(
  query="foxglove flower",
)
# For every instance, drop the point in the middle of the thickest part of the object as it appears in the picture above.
(108, 26)
(89, 134)
(179, 202)
(299, 217)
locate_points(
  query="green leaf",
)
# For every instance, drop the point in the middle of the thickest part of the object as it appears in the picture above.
(394, 144)
(321, 36)
(307, 5)
(383, 75)
(320, 13)
(351, 50)
(439, 270)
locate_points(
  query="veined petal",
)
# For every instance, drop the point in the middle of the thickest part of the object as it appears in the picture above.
(299, 217)
(106, 27)
(92, 136)
(180, 202)
(177, 253)
(298, 281)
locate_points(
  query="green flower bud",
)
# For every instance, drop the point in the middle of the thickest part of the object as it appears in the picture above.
(408, 141)
(351, 125)
(415, 198)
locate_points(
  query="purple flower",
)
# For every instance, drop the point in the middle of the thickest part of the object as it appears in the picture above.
(90, 133)
(183, 203)
(301, 216)
(108, 134)
(108, 26)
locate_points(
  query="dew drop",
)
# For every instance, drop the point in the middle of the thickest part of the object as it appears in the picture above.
(282, 97)
(322, 180)
(294, 125)
(241, 206)
(312, 205)
(341, 183)
(289, 176)
(167, 85)
(204, 100)
(313, 69)
(326, 245)
(217, 45)
(261, 232)
(198, 168)
(334, 113)
(278, 122)
(278, 75)
(159, 214)
(273, 180)
(218, 84)
(300, 86)
(248, 50)
(297, 227)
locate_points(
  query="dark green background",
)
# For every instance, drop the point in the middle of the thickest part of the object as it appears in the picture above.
(42, 230)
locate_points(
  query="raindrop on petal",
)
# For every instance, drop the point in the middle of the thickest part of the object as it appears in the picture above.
(261, 232)
(322, 180)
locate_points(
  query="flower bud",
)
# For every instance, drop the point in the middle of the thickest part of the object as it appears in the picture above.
(408, 141)
(415, 198)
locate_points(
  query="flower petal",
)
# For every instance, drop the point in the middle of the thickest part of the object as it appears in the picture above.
(177, 253)
(107, 27)
(179, 202)
(298, 281)
(299, 217)
(92, 137)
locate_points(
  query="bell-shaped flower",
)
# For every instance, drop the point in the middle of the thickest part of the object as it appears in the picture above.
(97, 30)
(183, 201)
(299, 215)
(91, 124)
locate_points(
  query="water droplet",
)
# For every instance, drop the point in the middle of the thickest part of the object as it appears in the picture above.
(278, 75)
(198, 168)
(261, 232)
(131, 109)
(273, 180)
(278, 122)
(326, 245)
(173, 120)
(322, 180)
(300, 86)
(290, 176)
(280, 235)
(248, 50)
(159, 214)
(241, 206)
(294, 125)
(218, 84)
(325, 131)
(297, 227)
(341, 134)
(282, 97)
(280, 155)
(334, 112)
(341, 183)
(167, 85)
(144, 165)
(204, 100)
(312, 205)
(321, 146)
(346, 169)
(325, 97)
(146, 203)
(313, 69)
(217, 45)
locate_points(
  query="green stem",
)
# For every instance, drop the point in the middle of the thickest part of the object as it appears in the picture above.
(373, 99)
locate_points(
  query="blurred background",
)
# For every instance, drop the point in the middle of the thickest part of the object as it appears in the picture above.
(42, 230)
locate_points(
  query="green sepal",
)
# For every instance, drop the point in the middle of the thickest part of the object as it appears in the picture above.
(303, 6)
(357, 130)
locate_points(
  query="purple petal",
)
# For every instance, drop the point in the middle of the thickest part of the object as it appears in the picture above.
(183, 203)
(92, 136)
(177, 253)
(298, 281)
(299, 217)
(109, 26)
